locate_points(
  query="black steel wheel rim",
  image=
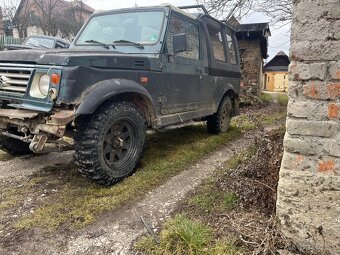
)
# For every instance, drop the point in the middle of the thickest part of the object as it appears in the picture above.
(120, 144)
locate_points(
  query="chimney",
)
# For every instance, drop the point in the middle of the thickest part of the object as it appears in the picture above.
(2, 31)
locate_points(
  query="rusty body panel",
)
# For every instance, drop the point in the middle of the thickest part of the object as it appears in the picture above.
(18, 114)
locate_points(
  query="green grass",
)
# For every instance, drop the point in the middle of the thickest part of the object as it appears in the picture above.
(282, 99)
(273, 118)
(183, 236)
(266, 98)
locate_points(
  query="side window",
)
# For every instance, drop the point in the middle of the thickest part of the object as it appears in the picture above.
(217, 43)
(231, 50)
(178, 25)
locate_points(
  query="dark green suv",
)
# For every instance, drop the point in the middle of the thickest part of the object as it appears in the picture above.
(127, 70)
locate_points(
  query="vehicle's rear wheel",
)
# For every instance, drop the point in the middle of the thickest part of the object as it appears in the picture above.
(110, 143)
(14, 147)
(220, 121)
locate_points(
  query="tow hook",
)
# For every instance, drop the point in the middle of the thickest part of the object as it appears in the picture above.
(38, 143)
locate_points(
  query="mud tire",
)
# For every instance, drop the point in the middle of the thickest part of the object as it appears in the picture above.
(220, 121)
(113, 127)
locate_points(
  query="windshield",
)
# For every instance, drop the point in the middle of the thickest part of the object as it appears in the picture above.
(39, 42)
(138, 27)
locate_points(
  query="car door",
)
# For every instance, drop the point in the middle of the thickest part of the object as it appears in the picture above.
(181, 71)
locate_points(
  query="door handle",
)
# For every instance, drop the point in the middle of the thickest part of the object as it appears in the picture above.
(199, 71)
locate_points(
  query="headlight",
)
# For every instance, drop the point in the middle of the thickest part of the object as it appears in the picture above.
(44, 84)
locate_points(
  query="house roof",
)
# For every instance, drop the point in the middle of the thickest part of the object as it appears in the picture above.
(81, 4)
(62, 5)
(278, 63)
(253, 31)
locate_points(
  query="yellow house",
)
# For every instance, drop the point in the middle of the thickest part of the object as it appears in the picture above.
(276, 73)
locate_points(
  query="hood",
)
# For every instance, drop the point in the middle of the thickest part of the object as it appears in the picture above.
(67, 57)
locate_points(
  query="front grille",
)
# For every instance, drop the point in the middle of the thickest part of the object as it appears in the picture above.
(14, 80)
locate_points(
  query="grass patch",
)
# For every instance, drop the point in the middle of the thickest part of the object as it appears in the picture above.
(273, 118)
(182, 236)
(4, 156)
(282, 99)
(266, 98)
(244, 122)
(238, 159)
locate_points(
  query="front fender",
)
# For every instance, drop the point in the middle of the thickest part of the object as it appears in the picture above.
(102, 91)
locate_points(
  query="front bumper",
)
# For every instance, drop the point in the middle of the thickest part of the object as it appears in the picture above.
(35, 127)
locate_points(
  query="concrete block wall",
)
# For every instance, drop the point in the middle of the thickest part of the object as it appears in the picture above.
(308, 203)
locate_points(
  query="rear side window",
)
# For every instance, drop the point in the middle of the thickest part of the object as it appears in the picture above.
(217, 43)
(231, 50)
(178, 25)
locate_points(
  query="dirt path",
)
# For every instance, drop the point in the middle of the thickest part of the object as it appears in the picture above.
(115, 233)
(21, 167)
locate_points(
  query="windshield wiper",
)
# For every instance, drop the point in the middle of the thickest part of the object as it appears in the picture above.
(106, 46)
(138, 45)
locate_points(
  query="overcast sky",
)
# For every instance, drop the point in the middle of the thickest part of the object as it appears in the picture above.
(278, 41)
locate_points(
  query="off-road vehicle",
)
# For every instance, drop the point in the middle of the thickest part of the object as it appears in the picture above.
(127, 70)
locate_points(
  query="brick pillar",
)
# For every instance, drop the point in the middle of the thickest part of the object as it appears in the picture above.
(309, 188)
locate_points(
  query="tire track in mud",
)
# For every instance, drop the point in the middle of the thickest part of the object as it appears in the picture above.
(21, 167)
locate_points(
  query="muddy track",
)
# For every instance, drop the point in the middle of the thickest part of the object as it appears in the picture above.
(21, 167)
(115, 232)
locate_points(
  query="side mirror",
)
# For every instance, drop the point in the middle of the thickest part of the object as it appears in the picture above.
(180, 42)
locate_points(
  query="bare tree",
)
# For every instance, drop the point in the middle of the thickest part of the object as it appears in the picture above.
(21, 21)
(278, 10)
(225, 9)
(58, 17)
(48, 16)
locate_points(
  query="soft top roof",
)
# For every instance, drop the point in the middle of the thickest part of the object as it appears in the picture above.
(181, 10)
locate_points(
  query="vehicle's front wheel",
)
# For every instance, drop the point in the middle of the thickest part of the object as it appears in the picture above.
(14, 147)
(220, 121)
(110, 143)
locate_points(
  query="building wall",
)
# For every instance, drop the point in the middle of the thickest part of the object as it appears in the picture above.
(252, 66)
(308, 203)
(276, 81)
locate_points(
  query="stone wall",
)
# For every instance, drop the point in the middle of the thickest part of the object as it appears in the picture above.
(309, 188)
(252, 66)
